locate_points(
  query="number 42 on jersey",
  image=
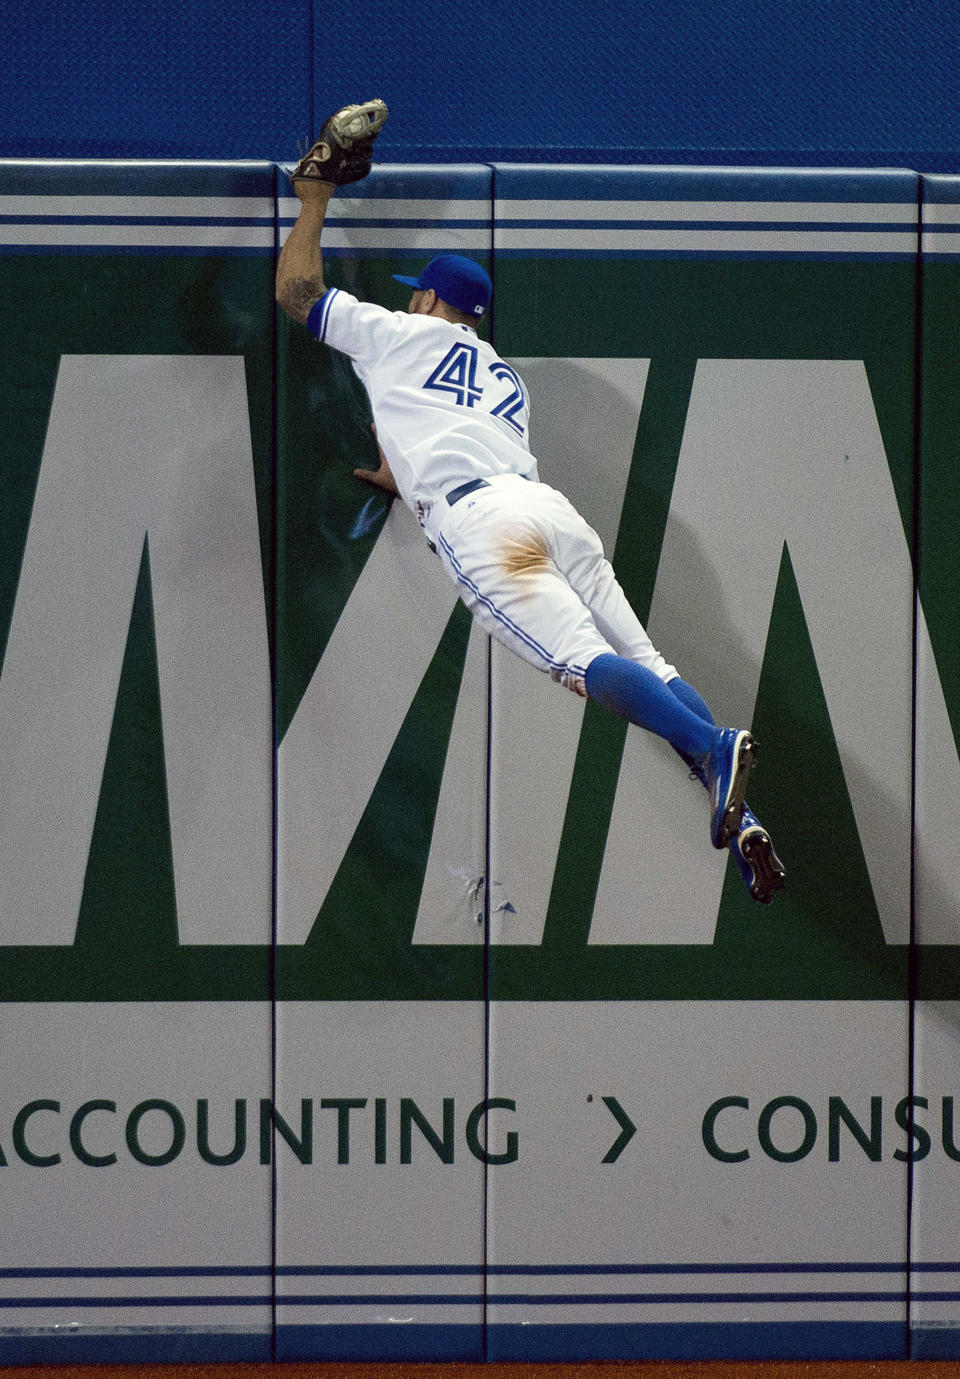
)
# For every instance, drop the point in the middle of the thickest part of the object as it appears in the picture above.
(457, 374)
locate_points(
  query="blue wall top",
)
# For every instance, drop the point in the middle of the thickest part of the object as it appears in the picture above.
(650, 81)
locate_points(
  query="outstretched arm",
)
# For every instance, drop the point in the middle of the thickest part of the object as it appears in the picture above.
(300, 267)
(342, 154)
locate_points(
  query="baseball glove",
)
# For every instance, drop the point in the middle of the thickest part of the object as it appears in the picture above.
(344, 149)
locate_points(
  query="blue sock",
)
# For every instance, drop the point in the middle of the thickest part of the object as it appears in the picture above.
(689, 696)
(633, 692)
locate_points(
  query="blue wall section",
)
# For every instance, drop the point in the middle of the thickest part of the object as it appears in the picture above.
(697, 81)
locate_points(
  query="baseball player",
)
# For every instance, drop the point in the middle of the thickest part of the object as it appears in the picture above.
(451, 419)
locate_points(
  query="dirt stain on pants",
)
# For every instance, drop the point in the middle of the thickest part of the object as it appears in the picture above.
(525, 554)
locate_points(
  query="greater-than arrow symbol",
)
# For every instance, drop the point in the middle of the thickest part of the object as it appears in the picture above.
(627, 1130)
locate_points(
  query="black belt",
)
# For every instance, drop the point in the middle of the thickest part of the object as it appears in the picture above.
(462, 490)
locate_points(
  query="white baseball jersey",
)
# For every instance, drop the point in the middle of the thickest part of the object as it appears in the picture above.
(447, 408)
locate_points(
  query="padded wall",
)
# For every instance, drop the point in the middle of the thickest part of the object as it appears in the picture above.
(365, 994)
(137, 750)
(935, 1297)
(370, 660)
(754, 335)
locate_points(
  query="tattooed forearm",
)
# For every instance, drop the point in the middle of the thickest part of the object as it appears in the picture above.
(297, 295)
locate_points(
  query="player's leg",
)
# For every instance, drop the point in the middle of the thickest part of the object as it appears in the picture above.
(520, 599)
(635, 692)
(752, 848)
(724, 755)
(693, 700)
(510, 562)
(638, 684)
(759, 866)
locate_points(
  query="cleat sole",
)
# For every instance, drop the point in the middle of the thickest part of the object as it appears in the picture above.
(768, 872)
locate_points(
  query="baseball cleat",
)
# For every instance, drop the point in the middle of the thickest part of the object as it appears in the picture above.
(726, 769)
(345, 140)
(760, 867)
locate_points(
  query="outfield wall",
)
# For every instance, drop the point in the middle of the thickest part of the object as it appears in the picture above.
(364, 994)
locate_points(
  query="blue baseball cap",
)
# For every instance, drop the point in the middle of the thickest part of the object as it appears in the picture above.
(457, 280)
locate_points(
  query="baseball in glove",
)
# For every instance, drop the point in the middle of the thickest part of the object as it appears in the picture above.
(344, 149)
